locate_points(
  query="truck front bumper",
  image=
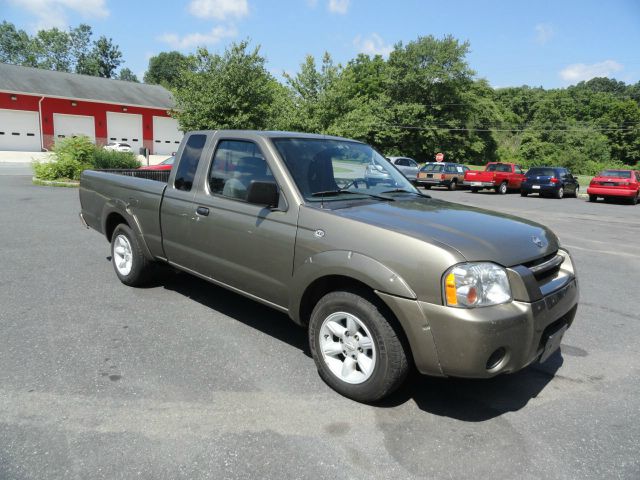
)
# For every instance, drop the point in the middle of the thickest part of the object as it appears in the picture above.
(484, 342)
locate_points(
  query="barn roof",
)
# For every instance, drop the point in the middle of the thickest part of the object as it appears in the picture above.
(37, 81)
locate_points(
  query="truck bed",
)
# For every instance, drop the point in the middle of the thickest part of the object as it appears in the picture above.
(134, 193)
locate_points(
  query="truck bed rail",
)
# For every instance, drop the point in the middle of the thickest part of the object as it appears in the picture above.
(157, 175)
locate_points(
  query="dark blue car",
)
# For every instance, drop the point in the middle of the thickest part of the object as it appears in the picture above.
(550, 181)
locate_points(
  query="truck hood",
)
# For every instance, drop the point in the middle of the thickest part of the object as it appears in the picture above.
(479, 235)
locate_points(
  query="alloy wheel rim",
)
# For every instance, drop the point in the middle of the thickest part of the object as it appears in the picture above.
(122, 255)
(347, 347)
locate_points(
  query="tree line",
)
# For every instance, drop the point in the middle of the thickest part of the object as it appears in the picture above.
(72, 51)
(423, 99)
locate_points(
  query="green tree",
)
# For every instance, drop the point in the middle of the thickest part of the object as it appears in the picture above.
(233, 90)
(15, 46)
(309, 89)
(128, 76)
(164, 68)
(51, 48)
(107, 56)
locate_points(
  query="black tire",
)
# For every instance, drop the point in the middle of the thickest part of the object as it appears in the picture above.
(523, 194)
(576, 192)
(634, 200)
(391, 366)
(502, 188)
(453, 184)
(559, 194)
(593, 198)
(427, 187)
(474, 189)
(141, 267)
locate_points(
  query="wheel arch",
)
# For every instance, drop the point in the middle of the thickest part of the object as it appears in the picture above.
(335, 270)
(113, 216)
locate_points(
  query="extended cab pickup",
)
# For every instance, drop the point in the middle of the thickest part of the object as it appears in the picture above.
(501, 177)
(381, 275)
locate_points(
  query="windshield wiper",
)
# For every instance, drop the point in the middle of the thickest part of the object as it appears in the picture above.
(402, 190)
(333, 193)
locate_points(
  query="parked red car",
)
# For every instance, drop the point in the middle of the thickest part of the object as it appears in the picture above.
(164, 165)
(615, 184)
(501, 177)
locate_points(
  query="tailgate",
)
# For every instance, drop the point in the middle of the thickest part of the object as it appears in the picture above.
(478, 176)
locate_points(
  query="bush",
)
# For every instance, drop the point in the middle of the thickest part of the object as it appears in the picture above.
(64, 168)
(109, 159)
(73, 155)
(78, 148)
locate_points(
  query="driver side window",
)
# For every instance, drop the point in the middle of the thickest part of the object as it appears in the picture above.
(235, 165)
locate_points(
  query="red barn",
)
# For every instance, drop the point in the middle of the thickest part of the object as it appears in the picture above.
(38, 107)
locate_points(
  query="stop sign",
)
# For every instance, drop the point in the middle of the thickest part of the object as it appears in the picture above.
(439, 157)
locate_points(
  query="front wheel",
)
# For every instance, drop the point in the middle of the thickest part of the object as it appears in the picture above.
(356, 350)
(129, 262)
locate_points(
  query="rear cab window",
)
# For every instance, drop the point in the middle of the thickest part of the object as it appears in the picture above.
(189, 161)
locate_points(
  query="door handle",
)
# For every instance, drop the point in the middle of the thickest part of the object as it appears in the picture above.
(203, 211)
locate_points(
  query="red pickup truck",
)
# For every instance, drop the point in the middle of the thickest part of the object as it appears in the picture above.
(502, 177)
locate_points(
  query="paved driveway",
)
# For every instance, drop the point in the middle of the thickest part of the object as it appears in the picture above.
(184, 380)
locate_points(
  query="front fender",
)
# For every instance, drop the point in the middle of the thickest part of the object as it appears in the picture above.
(347, 264)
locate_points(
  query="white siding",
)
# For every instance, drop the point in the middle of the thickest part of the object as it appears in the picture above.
(19, 130)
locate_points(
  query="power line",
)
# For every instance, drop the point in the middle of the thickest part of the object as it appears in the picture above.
(465, 129)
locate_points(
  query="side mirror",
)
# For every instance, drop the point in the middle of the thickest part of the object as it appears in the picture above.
(263, 193)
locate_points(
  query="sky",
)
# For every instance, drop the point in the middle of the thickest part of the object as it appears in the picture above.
(518, 42)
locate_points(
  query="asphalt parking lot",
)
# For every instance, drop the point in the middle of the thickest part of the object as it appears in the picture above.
(184, 380)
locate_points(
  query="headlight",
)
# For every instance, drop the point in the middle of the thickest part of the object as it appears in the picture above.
(470, 285)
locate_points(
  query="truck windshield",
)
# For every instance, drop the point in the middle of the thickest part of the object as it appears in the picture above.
(338, 170)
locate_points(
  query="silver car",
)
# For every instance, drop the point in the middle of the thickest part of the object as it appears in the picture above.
(408, 166)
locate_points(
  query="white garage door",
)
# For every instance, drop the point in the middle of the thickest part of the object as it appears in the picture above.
(166, 136)
(19, 131)
(125, 128)
(65, 126)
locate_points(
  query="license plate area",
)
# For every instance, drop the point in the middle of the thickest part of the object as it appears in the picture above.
(535, 187)
(552, 343)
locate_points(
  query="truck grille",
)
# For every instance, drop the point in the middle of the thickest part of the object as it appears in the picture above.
(545, 267)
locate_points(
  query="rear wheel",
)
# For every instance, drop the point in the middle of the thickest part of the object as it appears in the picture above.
(523, 193)
(576, 192)
(559, 193)
(474, 190)
(593, 198)
(427, 187)
(634, 200)
(356, 350)
(453, 184)
(502, 188)
(129, 262)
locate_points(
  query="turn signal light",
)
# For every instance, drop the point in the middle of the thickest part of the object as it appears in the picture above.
(450, 289)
